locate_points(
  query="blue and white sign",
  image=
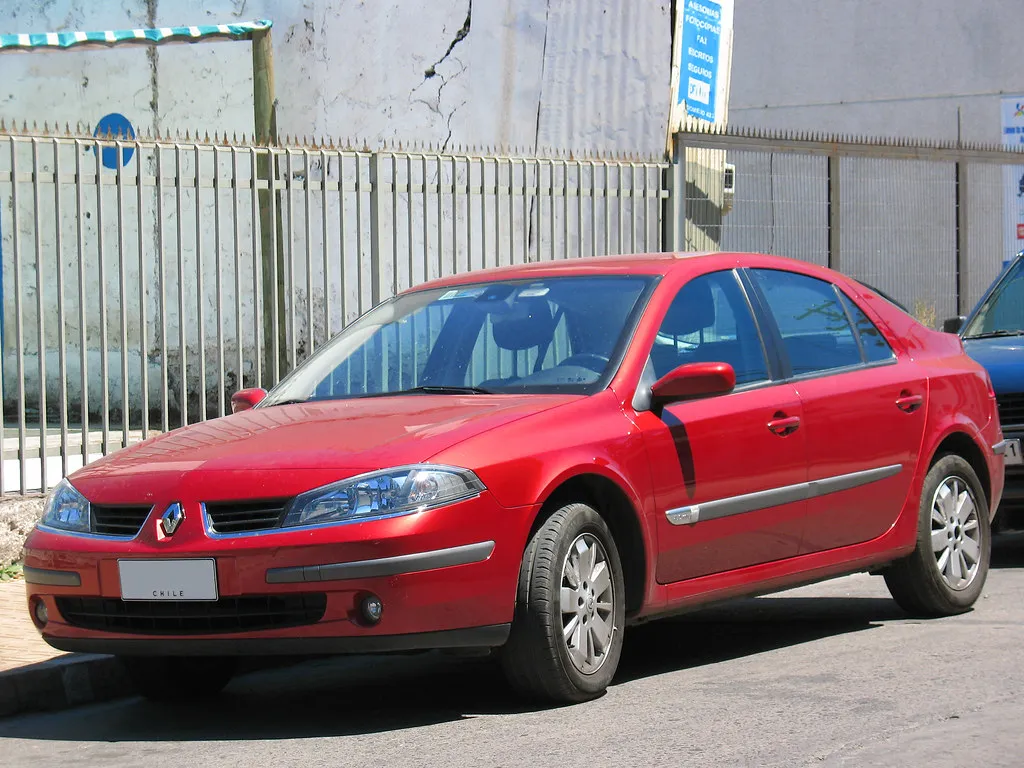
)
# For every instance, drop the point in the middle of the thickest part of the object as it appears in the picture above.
(698, 73)
(1013, 177)
(116, 126)
(702, 55)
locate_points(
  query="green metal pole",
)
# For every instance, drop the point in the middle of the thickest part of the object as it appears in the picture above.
(265, 114)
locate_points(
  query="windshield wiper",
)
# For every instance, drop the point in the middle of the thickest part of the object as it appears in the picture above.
(294, 401)
(994, 334)
(434, 389)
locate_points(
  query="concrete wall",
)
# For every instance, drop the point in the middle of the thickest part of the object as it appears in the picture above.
(578, 75)
(581, 77)
(877, 67)
(883, 68)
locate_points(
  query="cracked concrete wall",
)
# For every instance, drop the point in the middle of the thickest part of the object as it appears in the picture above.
(577, 76)
(574, 76)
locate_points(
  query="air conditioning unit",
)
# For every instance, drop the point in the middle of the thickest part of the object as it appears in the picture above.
(728, 187)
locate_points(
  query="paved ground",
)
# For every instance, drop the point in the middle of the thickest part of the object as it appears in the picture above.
(832, 674)
(20, 643)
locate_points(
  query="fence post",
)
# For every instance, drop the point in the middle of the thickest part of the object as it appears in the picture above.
(376, 195)
(962, 261)
(673, 214)
(271, 237)
(834, 207)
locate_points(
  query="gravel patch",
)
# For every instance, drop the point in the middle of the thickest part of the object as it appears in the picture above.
(17, 516)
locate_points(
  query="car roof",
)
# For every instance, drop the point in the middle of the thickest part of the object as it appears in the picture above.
(630, 264)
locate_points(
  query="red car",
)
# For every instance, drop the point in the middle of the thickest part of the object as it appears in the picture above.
(530, 459)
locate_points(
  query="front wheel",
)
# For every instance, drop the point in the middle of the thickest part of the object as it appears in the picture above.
(945, 574)
(179, 678)
(566, 637)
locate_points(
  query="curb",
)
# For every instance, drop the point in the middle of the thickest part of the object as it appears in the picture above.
(68, 681)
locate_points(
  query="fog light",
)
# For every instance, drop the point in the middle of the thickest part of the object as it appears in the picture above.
(40, 617)
(372, 609)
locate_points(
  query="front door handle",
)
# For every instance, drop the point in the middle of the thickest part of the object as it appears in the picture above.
(783, 425)
(909, 403)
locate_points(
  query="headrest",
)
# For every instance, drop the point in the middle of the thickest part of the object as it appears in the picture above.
(526, 324)
(692, 310)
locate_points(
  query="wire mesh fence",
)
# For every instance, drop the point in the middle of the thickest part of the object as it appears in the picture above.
(921, 221)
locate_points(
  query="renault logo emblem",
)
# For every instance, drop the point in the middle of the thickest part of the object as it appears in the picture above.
(171, 519)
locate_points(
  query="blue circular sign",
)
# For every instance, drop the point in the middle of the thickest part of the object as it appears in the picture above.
(116, 126)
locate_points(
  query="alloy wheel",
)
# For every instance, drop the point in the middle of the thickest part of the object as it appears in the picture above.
(587, 603)
(956, 535)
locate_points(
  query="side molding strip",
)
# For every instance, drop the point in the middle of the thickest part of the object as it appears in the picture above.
(773, 497)
(385, 566)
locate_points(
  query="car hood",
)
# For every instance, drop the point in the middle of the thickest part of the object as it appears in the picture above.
(282, 450)
(1003, 358)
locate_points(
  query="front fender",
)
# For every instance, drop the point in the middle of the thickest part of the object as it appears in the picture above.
(524, 463)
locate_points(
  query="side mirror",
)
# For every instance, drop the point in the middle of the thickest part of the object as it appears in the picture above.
(953, 324)
(244, 399)
(693, 380)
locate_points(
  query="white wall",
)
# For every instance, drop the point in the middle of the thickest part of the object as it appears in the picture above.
(580, 77)
(891, 68)
(583, 75)
(876, 67)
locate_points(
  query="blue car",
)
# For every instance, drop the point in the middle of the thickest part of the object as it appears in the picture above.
(993, 334)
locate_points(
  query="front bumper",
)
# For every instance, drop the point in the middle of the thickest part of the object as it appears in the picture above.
(1011, 508)
(473, 637)
(445, 577)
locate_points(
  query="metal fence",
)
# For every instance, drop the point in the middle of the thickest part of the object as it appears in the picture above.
(146, 280)
(922, 221)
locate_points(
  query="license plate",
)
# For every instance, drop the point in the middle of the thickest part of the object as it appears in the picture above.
(168, 579)
(1013, 454)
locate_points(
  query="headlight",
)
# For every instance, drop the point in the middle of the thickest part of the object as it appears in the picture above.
(66, 509)
(391, 492)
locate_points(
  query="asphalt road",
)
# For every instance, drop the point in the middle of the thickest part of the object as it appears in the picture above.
(833, 674)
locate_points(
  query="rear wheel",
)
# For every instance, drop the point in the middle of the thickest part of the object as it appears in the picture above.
(566, 637)
(179, 678)
(946, 572)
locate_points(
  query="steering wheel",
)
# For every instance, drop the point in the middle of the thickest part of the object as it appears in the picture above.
(588, 360)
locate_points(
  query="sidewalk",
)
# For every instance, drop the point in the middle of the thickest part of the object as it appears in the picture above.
(20, 643)
(35, 677)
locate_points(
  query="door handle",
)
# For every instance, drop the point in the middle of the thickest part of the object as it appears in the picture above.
(909, 403)
(783, 425)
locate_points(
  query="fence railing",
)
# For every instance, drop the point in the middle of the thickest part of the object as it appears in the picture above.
(146, 280)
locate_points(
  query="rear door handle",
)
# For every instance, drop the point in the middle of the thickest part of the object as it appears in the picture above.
(782, 425)
(909, 403)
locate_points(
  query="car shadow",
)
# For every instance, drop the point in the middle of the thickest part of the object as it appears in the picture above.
(372, 694)
(1008, 550)
(746, 627)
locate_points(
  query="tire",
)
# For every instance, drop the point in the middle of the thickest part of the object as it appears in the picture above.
(539, 661)
(179, 678)
(926, 583)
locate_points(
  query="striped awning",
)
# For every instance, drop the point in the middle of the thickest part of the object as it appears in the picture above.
(118, 37)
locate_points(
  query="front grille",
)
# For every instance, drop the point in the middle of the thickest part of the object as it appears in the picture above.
(245, 516)
(1011, 410)
(176, 617)
(118, 521)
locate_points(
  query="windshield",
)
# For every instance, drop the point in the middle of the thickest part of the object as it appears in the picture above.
(562, 334)
(1002, 314)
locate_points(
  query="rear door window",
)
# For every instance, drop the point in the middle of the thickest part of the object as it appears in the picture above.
(816, 332)
(876, 348)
